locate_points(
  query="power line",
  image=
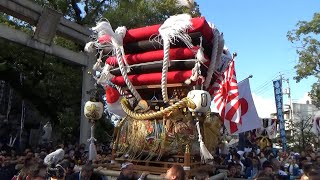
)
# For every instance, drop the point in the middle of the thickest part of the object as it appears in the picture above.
(263, 86)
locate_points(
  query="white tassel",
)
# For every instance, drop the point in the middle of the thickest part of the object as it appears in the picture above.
(204, 152)
(200, 56)
(97, 66)
(12, 141)
(92, 151)
(103, 28)
(92, 146)
(176, 27)
(121, 31)
(195, 72)
(187, 81)
(89, 47)
(186, 3)
(105, 74)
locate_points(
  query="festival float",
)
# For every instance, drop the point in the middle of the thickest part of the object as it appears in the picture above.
(160, 80)
(266, 133)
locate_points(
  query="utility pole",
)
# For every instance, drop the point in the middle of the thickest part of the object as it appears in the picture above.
(290, 108)
(290, 101)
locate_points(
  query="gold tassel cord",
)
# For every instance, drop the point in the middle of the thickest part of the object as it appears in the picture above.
(185, 102)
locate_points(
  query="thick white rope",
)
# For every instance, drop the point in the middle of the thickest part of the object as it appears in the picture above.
(117, 41)
(125, 76)
(104, 28)
(119, 89)
(125, 60)
(166, 50)
(172, 29)
(219, 53)
(213, 59)
(161, 61)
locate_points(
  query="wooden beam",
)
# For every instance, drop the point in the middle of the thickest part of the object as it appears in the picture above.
(30, 12)
(19, 11)
(28, 4)
(47, 26)
(26, 40)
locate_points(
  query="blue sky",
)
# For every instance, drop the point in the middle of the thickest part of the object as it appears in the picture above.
(257, 30)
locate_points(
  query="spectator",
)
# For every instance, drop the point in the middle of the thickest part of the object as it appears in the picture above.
(317, 161)
(307, 167)
(86, 173)
(176, 172)
(232, 171)
(7, 170)
(239, 174)
(237, 160)
(264, 176)
(127, 172)
(255, 167)
(293, 167)
(314, 173)
(201, 175)
(276, 166)
(36, 171)
(262, 157)
(267, 168)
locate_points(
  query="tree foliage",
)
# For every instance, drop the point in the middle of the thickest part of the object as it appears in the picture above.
(307, 43)
(300, 132)
(141, 13)
(52, 86)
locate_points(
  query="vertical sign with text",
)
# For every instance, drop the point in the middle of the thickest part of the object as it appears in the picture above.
(277, 84)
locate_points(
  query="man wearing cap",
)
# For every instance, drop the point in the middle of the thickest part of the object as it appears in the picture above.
(127, 172)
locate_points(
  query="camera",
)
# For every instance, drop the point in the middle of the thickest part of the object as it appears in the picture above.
(57, 171)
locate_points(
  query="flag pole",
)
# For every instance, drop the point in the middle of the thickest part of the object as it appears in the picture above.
(242, 136)
(250, 76)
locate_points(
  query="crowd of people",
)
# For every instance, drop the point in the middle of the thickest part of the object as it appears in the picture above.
(30, 164)
(250, 163)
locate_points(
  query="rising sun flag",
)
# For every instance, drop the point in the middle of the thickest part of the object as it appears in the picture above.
(225, 95)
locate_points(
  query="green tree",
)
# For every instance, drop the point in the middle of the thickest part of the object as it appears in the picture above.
(52, 86)
(305, 37)
(300, 134)
(139, 13)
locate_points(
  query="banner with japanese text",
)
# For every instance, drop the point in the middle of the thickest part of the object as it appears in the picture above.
(277, 84)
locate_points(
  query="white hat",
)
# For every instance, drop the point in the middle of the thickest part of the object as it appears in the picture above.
(247, 149)
(240, 153)
(125, 165)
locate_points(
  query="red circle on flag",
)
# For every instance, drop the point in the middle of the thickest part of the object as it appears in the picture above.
(244, 106)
